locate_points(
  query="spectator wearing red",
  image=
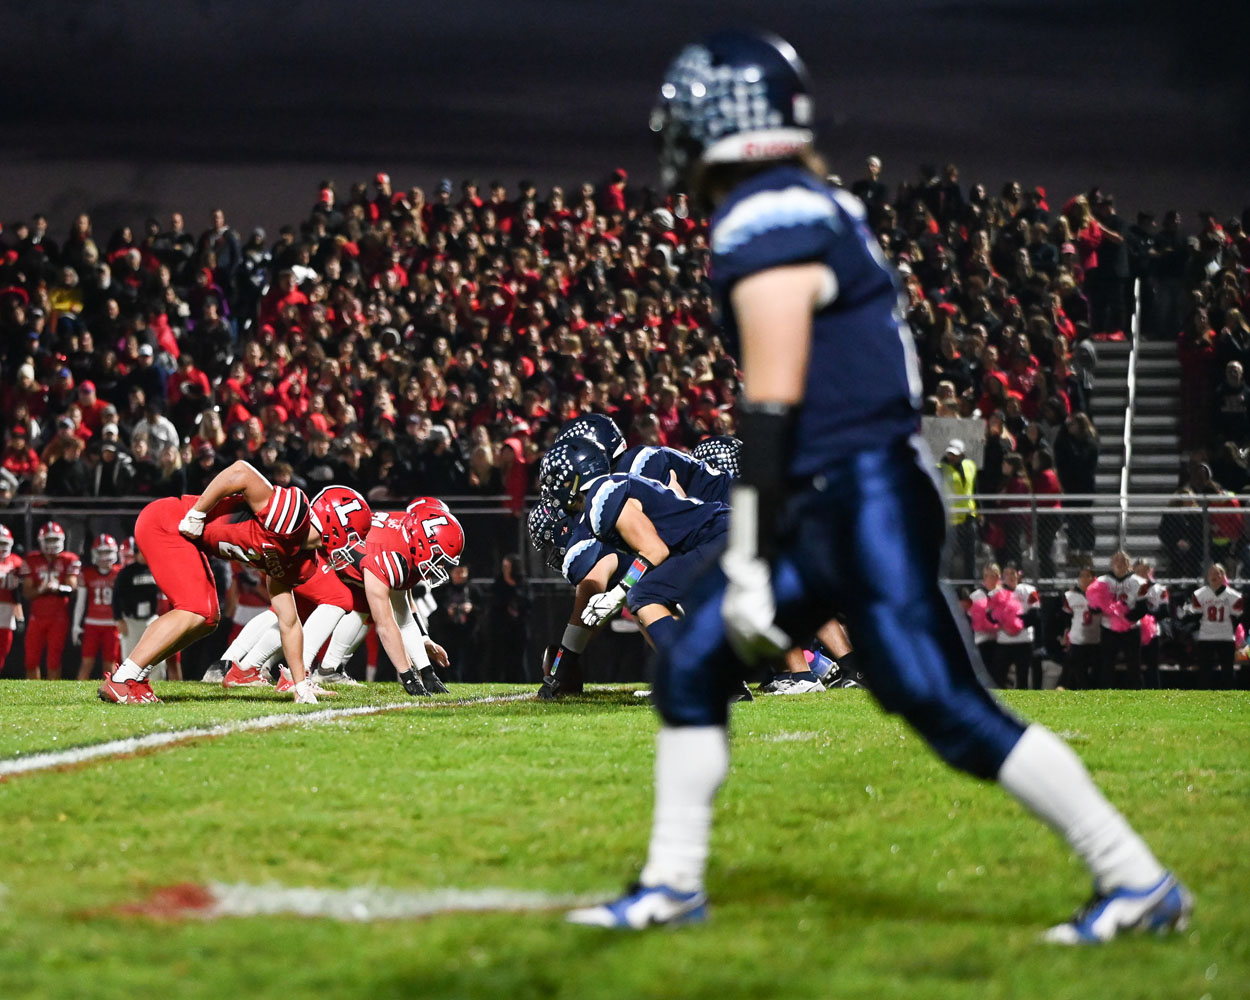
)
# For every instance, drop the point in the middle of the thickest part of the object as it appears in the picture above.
(1195, 350)
(19, 457)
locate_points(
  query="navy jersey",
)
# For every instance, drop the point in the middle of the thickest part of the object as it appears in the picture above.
(584, 551)
(863, 383)
(695, 478)
(682, 523)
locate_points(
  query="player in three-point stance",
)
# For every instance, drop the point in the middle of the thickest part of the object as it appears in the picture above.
(835, 484)
(242, 517)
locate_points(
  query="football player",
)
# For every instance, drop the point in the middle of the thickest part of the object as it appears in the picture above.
(829, 414)
(666, 537)
(11, 613)
(49, 579)
(241, 517)
(1219, 609)
(98, 634)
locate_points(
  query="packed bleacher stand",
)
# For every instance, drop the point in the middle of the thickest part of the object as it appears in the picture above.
(406, 344)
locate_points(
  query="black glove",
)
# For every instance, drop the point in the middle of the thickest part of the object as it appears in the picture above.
(412, 684)
(432, 684)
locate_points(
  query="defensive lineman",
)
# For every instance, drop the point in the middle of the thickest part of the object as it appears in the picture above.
(829, 421)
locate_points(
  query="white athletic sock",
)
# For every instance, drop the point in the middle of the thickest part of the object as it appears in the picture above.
(128, 671)
(690, 764)
(1049, 779)
(371, 674)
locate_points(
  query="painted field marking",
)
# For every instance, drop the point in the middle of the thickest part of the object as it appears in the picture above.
(47, 760)
(356, 905)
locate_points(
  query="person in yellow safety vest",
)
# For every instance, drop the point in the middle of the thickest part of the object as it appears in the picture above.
(959, 475)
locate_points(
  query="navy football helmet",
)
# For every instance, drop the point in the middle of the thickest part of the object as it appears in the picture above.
(597, 428)
(549, 533)
(567, 468)
(735, 97)
(724, 454)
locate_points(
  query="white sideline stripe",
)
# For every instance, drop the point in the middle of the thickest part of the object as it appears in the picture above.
(364, 904)
(133, 744)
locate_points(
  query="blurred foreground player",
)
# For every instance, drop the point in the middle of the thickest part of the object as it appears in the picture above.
(241, 517)
(833, 487)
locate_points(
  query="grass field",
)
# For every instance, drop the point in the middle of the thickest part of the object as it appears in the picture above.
(847, 862)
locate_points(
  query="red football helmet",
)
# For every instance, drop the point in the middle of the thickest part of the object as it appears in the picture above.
(127, 551)
(343, 517)
(104, 553)
(6, 542)
(51, 539)
(436, 538)
(431, 502)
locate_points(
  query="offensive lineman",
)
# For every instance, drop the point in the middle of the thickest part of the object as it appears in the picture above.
(829, 416)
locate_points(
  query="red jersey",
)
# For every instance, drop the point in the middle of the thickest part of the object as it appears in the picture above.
(10, 573)
(99, 588)
(319, 584)
(271, 540)
(50, 571)
(388, 553)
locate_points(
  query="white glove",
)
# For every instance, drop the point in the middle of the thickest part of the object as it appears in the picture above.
(306, 692)
(749, 609)
(603, 606)
(192, 524)
(75, 635)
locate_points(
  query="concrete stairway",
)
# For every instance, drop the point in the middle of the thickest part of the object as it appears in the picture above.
(1156, 438)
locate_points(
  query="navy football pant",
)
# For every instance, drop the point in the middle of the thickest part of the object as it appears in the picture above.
(865, 539)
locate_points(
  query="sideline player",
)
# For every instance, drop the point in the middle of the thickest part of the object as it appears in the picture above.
(829, 415)
(94, 626)
(49, 579)
(241, 517)
(12, 615)
(1219, 609)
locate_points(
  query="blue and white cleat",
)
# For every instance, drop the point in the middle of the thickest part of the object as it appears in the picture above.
(644, 906)
(1161, 908)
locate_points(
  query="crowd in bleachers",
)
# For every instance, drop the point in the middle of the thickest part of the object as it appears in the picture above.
(406, 343)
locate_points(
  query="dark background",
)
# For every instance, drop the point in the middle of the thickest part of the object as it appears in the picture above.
(137, 107)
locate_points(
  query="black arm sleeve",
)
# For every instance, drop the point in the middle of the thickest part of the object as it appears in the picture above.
(768, 441)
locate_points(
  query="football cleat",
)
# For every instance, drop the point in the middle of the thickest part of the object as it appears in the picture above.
(432, 683)
(285, 681)
(237, 677)
(334, 677)
(550, 689)
(216, 672)
(126, 692)
(743, 694)
(1159, 909)
(411, 681)
(642, 907)
(791, 684)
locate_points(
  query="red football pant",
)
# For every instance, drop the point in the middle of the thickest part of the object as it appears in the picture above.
(46, 633)
(102, 641)
(180, 568)
(6, 645)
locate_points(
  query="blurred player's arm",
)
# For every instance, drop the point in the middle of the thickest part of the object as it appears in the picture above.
(774, 312)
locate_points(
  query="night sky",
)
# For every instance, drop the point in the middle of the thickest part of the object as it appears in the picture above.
(130, 109)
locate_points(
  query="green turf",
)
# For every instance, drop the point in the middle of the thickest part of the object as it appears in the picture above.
(847, 862)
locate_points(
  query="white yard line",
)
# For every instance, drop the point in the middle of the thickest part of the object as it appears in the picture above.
(152, 741)
(370, 903)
